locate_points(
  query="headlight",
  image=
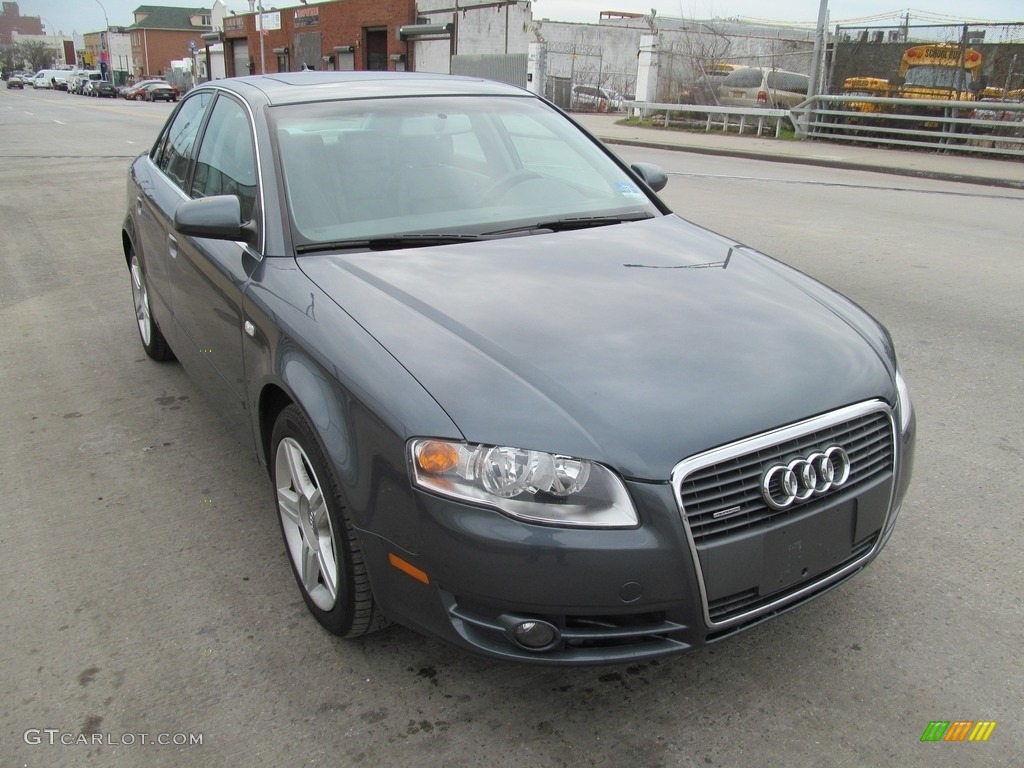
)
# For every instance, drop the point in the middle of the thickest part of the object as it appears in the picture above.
(530, 485)
(903, 398)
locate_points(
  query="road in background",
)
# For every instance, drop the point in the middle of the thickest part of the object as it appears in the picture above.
(146, 589)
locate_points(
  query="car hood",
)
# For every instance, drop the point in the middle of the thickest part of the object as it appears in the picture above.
(636, 344)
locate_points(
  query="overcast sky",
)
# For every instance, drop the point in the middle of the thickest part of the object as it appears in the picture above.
(87, 15)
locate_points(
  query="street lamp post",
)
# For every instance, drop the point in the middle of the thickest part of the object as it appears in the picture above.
(56, 45)
(105, 43)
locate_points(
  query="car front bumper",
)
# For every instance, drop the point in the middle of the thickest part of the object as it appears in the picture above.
(608, 596)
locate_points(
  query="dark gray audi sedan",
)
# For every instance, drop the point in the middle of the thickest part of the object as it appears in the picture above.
(504, 396)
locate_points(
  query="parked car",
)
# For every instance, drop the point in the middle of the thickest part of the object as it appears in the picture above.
(103, 89)
(51, 78)
(137, 92)
(705, 89)
(504, 395)
(79, 79)
(590, 98)
(756, 87)
(15, 81)
(160, 92)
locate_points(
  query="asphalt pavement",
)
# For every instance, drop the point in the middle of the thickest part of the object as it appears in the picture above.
(988, 171)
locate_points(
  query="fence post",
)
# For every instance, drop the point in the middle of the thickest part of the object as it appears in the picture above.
(647, 69)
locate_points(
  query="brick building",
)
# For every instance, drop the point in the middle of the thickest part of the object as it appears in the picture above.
(339, 35)
(12, 21)
(162, 34)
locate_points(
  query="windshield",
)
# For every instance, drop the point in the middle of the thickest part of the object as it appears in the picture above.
(452, 165)
(931, 76)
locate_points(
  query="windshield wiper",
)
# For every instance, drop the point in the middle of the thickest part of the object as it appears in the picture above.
(387, 242)
(575, 222)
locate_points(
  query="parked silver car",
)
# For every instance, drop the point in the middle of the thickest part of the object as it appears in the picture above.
(756, 87)
(590, 98)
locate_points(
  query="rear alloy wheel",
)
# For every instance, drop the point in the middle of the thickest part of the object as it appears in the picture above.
(149, 332)
(322, 546)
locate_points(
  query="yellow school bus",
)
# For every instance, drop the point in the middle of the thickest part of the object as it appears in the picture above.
(940, 71)
(867, 86)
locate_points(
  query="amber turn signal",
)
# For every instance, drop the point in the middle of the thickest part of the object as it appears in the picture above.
(436, 457)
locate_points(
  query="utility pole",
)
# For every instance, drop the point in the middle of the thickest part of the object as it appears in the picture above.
(262, 32)
(819, 47)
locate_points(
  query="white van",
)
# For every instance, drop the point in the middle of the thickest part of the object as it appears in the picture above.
(756, 87)
(44, 78)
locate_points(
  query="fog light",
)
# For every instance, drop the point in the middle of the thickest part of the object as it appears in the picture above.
(534, 635)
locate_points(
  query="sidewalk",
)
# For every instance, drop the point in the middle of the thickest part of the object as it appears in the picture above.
(903, 162)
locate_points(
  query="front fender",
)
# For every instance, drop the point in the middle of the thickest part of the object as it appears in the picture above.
(362, 404)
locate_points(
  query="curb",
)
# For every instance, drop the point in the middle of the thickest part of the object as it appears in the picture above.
(841, 164)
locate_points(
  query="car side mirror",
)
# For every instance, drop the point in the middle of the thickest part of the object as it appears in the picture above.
(653, 175)
(218, 218)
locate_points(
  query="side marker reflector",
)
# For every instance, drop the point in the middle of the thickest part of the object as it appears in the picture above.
(408, 568)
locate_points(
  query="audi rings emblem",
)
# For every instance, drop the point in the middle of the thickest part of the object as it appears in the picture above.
(785, 484)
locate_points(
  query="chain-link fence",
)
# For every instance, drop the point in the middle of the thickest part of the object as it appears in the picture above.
(694, 60)
(878, 52)
(584, 78)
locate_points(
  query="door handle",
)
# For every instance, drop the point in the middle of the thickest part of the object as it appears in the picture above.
(138, 204)
(172, 246)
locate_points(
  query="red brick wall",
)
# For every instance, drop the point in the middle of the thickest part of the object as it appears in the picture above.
(153, 50)
(343, 22)
(12, 21)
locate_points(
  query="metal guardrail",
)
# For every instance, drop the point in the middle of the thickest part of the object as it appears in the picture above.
(713, 114)
(969, 127)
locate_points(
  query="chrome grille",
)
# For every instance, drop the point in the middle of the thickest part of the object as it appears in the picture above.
(731, 486)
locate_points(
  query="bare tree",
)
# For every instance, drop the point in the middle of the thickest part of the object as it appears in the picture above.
(685, 61)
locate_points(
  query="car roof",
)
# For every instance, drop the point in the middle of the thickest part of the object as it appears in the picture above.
(313, 86)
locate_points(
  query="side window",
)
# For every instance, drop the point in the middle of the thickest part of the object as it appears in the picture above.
(466, 146)
(744, 78)
(174, 149)
(542, 151)
(787, 81)
(226, 163)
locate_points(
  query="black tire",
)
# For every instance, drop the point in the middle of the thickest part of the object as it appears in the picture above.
(301, 478)
(152, 339)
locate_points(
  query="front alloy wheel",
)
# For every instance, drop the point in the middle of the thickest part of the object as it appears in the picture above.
(322, 545)
(149, 332)
(306, 524)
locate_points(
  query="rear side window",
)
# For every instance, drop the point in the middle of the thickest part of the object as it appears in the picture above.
(174, 149)
(788, 81)
(744, 78)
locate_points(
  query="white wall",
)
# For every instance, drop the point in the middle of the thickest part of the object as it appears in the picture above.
(480, 29)
(606, 54)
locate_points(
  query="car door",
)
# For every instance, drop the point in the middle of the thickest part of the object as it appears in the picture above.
(159, 187)
(207, 276)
